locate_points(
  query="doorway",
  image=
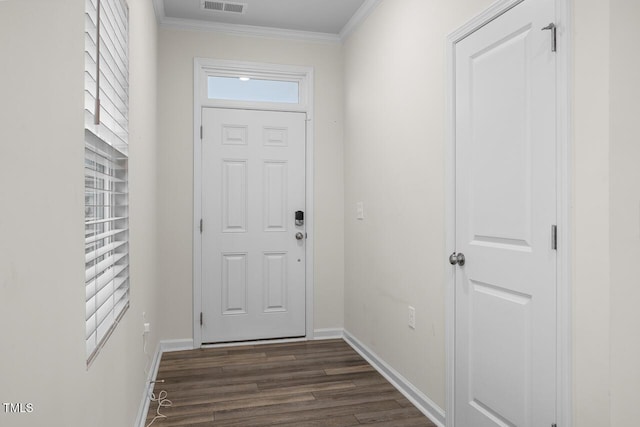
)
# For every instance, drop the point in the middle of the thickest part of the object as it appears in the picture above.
(507, 295)
(221, 310)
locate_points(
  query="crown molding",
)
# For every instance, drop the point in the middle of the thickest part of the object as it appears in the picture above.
(254, 31)
(248, 30)
(358, 18)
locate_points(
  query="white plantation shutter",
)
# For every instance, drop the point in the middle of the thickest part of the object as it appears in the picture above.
(106, 169)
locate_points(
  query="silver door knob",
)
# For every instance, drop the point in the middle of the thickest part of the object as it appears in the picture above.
(299, 236)
(455, 258)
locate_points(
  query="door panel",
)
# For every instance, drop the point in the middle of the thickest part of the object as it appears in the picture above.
(275, 196)
(234, 283)
(253, 267)
(499, 88)
(275, 282)
(234, 196)
(505, 330)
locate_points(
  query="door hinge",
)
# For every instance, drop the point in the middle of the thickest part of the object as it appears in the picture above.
(201, 132)
(201, 226)
(554, 32)
(201, 322)
(554, 237)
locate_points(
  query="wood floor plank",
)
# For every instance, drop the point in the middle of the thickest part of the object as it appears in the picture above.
(306, 411)
(346, 421)
(301, 384)
(349, 369)
(388, 415)
(181, 420)
(258, 395)
(187, 381)
(419, 421)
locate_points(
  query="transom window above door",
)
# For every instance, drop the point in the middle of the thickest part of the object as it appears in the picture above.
(244, 88)
(250, 85)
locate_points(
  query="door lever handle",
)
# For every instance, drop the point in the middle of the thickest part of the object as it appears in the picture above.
(554, 31)
(457, 259)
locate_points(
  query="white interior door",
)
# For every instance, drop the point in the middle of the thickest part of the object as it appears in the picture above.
(505, 303)
(253, 251)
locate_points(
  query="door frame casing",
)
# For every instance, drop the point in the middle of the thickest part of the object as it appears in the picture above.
(563, 173)
(204, 67)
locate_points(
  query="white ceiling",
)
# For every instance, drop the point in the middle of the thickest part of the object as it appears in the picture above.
(328, 19)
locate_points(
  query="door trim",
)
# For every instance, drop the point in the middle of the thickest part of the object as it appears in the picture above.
(564, 171)
(203, 67)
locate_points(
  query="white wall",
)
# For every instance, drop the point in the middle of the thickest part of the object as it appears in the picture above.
(42, 307)
(624, 163)
(394, 163)
(591, 306)
(177, 50)
(606, 213)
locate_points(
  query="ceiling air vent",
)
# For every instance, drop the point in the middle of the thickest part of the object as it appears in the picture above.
(213, 5)
(224, 6)
(234, 7)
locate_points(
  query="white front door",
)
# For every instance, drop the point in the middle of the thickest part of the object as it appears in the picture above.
(253, 249)
(505, 303)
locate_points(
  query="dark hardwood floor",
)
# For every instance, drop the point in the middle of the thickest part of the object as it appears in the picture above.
(304, 384)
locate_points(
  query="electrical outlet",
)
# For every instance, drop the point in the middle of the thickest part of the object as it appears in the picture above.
(359, 210)
(147, 328)
(412, 317)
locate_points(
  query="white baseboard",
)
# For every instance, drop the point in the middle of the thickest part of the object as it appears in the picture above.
(153, 372)
(415, 396)
(176, 345)
(328, 334)
(163, 347)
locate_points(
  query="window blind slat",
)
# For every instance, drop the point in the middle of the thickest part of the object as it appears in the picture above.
(113, 74)
(111, 117)
(113, 14)
(104, 300)
(121, 298)
(94, 287)
(103, 191)
(100, 229)
(90, 54)
(91, 327)
(105, 220)
(94, 344)
(102, 236)
(119, 11)
(103, 250)
(94, 174)
(105, 318)
(101, 267)
(117, 305)
(115, 52)
(110, 304)
(113, 93)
